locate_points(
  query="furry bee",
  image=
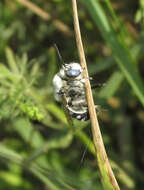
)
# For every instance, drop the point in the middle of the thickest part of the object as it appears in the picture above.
(69, 81)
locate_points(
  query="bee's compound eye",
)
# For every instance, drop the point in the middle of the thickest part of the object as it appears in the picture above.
(73, 73)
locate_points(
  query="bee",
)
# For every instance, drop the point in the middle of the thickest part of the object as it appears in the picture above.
(69, 82)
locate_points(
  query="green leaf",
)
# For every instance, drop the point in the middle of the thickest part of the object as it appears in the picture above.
(50, 178)
(11, 60)
(61, 141)
(59, 114)
(5, 73)
(112, 85)
(28, 133)
(100, 66)
(52, 66)
(11, 178)
(120, 50)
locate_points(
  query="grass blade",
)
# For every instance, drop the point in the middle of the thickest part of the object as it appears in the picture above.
(112, 85)
(50, 178)
(122, 54)
(11, 61)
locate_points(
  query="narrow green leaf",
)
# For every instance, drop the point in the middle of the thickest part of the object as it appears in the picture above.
(112, 85)
(28, 133)
(52, 66)
(6, 74)
(123, 176)
(61, 141)
(8, 154)
(122, 54)
(59, 114)
(120, 173)
(50, 178)
(44, 178)
(11, 178)
(102, 65)
(11, 60)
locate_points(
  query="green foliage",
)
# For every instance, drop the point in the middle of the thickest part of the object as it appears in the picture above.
(16, 84)
(119, 48)
(38, 148)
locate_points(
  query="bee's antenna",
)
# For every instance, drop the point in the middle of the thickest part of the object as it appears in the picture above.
(59, 55)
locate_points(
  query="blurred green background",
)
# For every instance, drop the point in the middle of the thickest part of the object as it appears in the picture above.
(38, 149)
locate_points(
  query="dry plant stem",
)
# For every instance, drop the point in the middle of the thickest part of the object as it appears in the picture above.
(102, 158)
(44, 15)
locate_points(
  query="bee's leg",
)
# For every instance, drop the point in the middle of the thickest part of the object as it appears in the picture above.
(67, 106)
(88, 78)
(83, 80)
(99, 109)
(97, 85)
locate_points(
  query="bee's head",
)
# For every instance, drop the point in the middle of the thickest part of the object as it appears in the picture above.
(72, 70)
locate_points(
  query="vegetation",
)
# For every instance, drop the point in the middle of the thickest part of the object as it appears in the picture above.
(38, 148)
